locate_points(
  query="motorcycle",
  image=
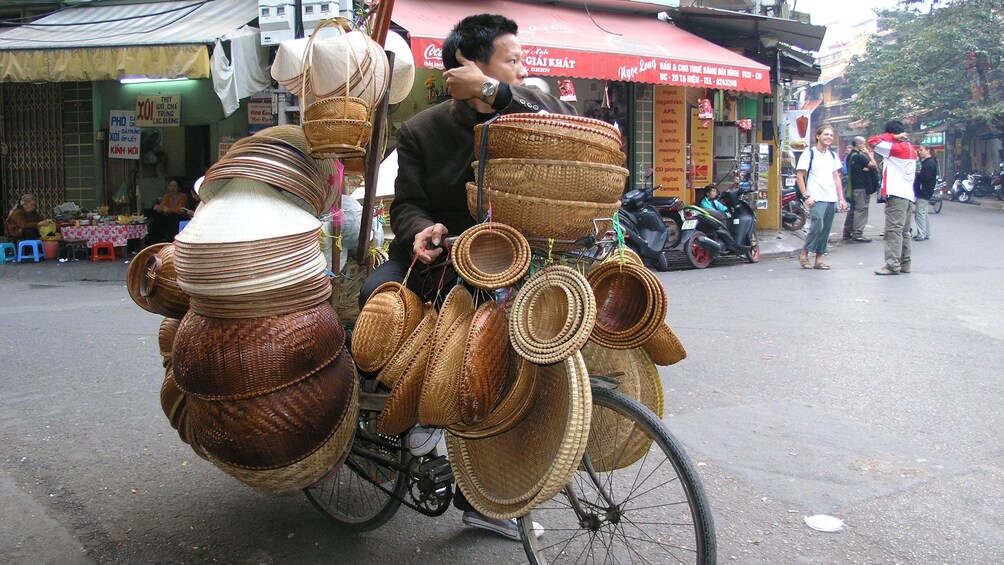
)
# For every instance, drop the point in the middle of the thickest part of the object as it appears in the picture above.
(708, 234)
(996, 186)
(644, 230)
(962, 188)
(793, 212)
(670, 210)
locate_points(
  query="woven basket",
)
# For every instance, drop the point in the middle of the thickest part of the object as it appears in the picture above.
(631, 304)
(280, 428)
(337, 108)
(400, 411)
(389, 316)
(174, 404)
(615, 442)
(338, 138)
(159, 285)
(552, 315)
(485, 363)
(491, 256)
(664, 347)
(531, 140)
(575, 127)
(136, 272)
(520, 392)
(308, 471)
(542, 218)
(165, 337)
(556, 180)
(442, 390)
(541, 453)
(416, 344)
(233, 359)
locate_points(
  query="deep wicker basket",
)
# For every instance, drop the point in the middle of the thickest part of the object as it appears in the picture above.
(557, 180)
(536, 140)
(543, 218)
(337, 108)
(332, 138)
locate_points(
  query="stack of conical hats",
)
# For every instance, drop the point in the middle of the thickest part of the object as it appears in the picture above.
(259, 380)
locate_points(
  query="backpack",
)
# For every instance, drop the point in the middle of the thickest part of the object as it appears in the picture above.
(812, 154)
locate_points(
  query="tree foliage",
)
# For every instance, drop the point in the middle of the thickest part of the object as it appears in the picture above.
(919, 66)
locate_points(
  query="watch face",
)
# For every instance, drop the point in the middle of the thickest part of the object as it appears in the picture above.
(488, 88)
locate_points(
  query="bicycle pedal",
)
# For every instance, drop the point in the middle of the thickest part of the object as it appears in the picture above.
(436, 470)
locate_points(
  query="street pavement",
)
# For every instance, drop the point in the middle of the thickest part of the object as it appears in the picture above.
(873, 399)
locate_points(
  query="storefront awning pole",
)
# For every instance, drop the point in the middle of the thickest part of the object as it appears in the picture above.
(375, 154)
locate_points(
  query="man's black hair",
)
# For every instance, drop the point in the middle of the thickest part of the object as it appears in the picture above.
(894, 127)
(475, 37)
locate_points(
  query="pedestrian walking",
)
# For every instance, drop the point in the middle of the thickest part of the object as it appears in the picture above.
(923, 188)
(861, 172)
(898, 172)
(818, 180)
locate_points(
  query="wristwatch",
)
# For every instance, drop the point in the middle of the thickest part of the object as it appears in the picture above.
(488, 89)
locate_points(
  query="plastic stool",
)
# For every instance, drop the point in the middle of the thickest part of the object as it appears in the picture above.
(34, 246)
(75, 246)
(8, 253)
(107, 247)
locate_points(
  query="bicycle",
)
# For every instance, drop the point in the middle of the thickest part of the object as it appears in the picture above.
(649, 505)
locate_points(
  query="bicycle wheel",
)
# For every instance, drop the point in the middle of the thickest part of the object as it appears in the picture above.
(654, 510)
(367, 490)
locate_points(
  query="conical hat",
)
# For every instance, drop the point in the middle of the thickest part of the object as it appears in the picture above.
(352, 59)
(246, 210)
(403, 77)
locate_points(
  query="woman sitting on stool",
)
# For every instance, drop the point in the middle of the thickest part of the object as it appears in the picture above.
(22, 222)
(165, 216)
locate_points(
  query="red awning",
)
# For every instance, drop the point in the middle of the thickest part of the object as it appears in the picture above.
(563, 41)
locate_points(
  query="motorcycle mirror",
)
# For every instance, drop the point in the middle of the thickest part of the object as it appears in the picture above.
(648, 172)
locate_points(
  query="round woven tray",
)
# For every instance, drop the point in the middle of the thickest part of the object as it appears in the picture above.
(552, 316)
(491, 255)
(542, 217)
(530, 140)
(556, 180)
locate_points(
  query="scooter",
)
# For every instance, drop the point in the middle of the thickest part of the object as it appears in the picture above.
(644, 230)
(708, 234)
(962, 188)
(792, 210)
(670, 209)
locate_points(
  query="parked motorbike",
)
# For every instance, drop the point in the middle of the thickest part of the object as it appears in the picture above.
(793, 212)
(670, 210)
(962, 188)
(996, 186)
(644, 230)
(708, 234)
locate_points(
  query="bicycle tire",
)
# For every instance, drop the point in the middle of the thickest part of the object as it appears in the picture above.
(605, 532)
(351, 497)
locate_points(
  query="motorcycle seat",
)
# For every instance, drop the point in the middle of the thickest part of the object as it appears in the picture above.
(718, 215)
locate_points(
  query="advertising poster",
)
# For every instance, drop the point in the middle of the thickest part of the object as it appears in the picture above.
(158, 111)
(702, 148)
(796, 130)
(123, 135)
(670, 136)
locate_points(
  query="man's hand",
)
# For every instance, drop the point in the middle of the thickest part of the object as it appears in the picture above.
(426, 242)
(464, 82)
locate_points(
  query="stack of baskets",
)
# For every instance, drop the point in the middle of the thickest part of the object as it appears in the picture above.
(258, 380)
(548, 175)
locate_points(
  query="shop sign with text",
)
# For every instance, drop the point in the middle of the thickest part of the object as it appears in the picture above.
(670, 141)
(158, 110)
(123, 135)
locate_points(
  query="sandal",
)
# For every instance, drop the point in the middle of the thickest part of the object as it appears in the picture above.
(822, 267)
(804, 262)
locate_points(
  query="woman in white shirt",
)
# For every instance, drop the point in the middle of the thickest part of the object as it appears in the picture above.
(818, 179)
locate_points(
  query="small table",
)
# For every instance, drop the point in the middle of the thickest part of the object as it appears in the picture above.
(117, 234)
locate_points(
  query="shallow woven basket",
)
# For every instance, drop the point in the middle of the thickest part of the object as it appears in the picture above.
(557, 180)
(165, 337)
(414, 345)
(280, 428)
(491, 255)
(541, 453)
(529, 140)
(518, 397)
(136, 272)
(631, 304)
(566, 125)
(400, 411)
(159, 285)
(614, 441)
(552, 316)
(485, 363)
(307, 471)
(664, 347)
(442, 389)
(389, 316)
(542, 218)
(232, 359)
(174, 404)
(332, 138)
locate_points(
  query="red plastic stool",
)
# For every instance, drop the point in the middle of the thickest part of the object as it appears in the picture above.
(106, 247)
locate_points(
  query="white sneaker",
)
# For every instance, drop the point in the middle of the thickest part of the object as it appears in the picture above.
(421, 440)
(505, 528)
